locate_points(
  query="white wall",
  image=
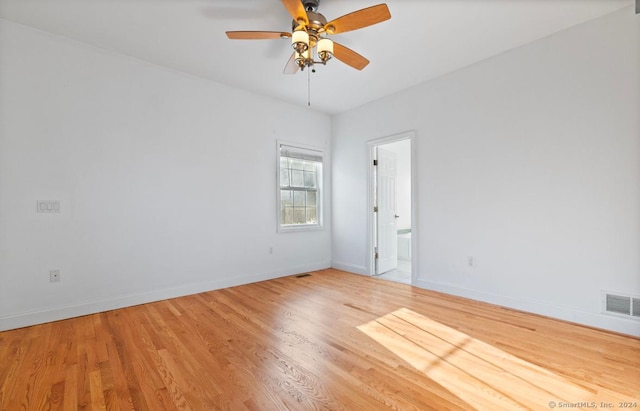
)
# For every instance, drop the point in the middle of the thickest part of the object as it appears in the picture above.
(529, 162)
(167, 182)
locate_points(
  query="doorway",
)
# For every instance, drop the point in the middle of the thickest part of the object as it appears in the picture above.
(392, 199)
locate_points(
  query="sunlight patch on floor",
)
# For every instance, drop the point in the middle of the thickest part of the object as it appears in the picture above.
(483, 376)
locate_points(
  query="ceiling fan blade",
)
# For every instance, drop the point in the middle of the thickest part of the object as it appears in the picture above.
(291, 67)
(257, 35)
(296, 9)
(359, 19)
(349, 57)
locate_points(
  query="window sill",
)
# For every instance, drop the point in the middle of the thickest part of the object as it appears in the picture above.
(299, 228)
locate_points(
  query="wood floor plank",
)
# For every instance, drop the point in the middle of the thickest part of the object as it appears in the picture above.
(328, 341)
(70, 398)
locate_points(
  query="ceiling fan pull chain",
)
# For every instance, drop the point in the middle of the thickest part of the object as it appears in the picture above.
(309, 88)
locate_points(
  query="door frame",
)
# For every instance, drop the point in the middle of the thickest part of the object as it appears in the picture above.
(371, 217)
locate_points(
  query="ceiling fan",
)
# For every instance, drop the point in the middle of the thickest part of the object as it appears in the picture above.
(310, 30)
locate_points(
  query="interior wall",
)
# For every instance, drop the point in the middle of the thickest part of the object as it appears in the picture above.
(167, 182)
(529, 162)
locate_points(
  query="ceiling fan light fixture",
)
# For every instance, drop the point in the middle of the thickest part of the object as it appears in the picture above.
(325, 49)
(302, 59)
(300, 41)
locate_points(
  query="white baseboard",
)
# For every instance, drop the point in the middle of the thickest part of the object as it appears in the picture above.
(356, 269)
(25, 319)
(597, 320)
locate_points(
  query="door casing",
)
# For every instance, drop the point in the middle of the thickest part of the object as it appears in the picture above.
(371, 220)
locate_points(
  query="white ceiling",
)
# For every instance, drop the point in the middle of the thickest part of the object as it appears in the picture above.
(424, 39)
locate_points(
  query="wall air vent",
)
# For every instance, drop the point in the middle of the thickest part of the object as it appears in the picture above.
(618, 304)
(635, 311)
(621, 304)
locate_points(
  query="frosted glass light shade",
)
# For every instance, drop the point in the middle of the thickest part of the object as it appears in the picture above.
(300, 37)
(304, 55)
(325, 45)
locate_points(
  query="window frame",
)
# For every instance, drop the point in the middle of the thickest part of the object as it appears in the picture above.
(285, 228)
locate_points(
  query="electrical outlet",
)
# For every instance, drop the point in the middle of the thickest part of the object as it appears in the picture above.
(271, 250)
(54, 276)
(48, 206)
(471, 261)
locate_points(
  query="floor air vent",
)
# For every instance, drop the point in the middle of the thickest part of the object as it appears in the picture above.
(303, 275)
(624, 305)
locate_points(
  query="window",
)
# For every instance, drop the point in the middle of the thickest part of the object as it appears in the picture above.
(299, 188)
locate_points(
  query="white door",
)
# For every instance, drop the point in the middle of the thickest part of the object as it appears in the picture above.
(387, 231)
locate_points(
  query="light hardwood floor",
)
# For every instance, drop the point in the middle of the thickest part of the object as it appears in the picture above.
(331, 340)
